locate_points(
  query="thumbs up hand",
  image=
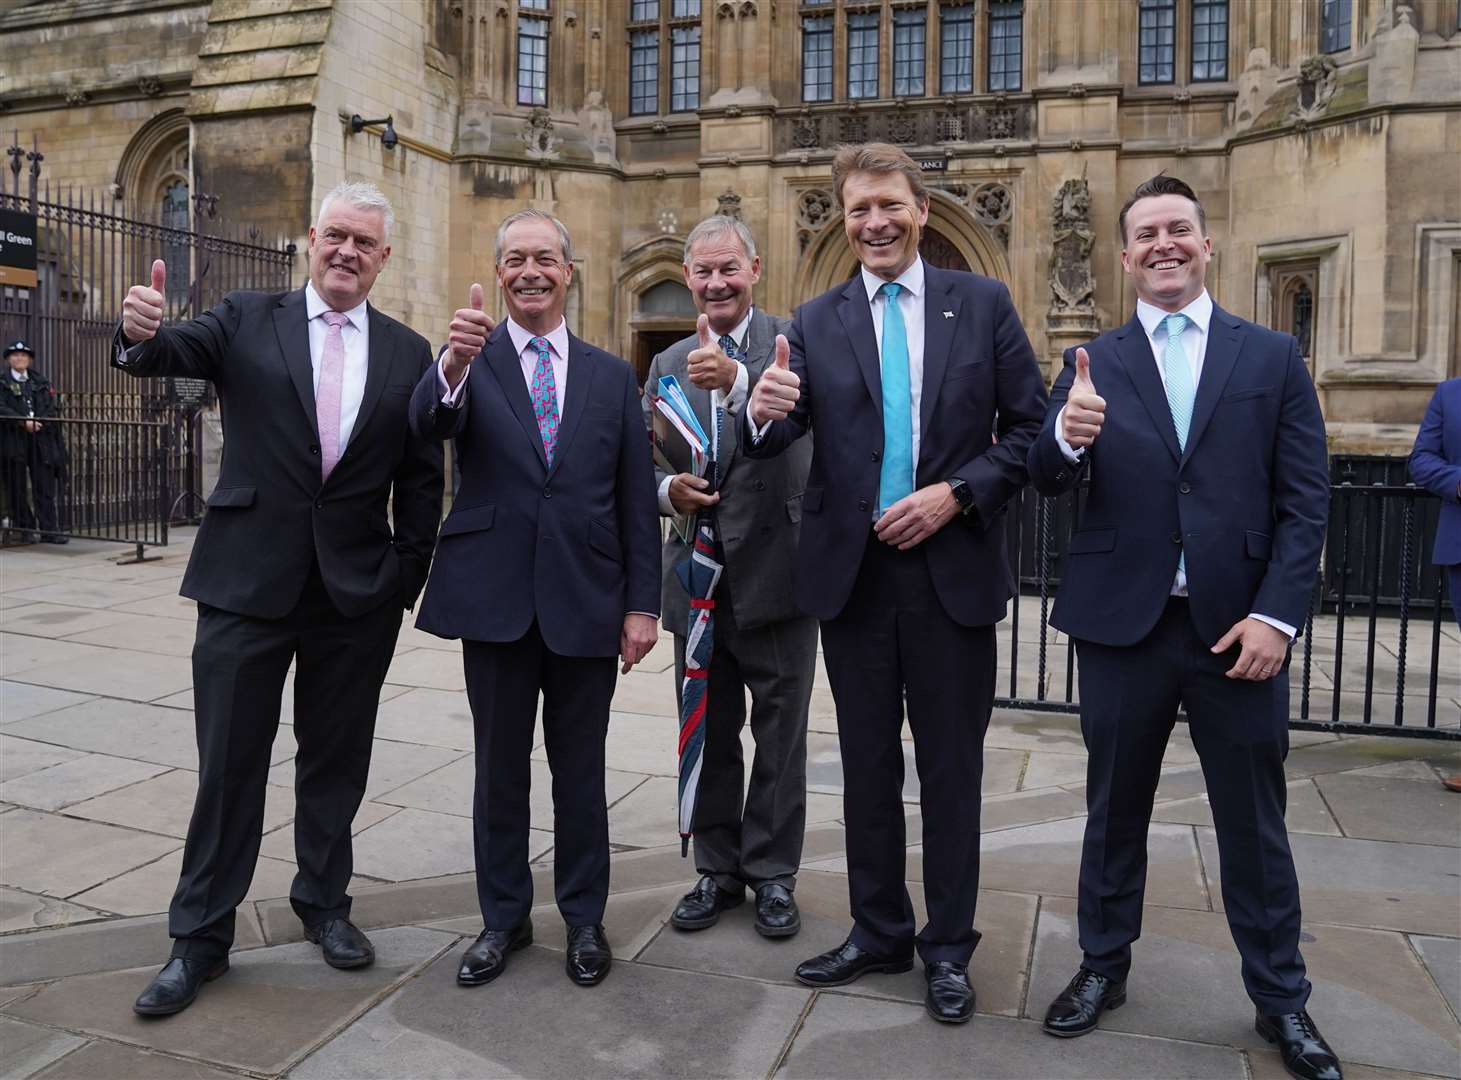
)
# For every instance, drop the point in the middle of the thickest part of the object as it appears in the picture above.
(777, 390)
(469, 329)
(142, 309)
(709, 367)
(1085, 410)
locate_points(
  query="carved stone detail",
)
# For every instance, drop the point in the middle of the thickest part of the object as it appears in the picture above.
(1317, 83)
(728, 204)
(993, 206)
(77, 96)
(667, 220)
(538, 136)
(852, 129)
(1072, 285)
(149, 85)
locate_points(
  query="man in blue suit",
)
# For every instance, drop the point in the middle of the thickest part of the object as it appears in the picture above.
(1184, 587)
(547, 568)
(1435, 464)
(905, 375)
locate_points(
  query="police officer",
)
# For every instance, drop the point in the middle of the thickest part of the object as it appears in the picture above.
(29, 445)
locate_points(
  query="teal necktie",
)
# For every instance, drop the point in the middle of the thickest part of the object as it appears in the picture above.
(896, 478)
(1181, 389)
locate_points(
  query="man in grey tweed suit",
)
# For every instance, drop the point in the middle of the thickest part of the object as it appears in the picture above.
(762, 641)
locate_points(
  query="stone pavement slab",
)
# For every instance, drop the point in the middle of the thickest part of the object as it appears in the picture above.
(27, 911)
(1372, 807)
(1372, 999)
(279, 844)
(69, 592)
(645, 1022)
(20, 653)
(430, 717)
(56, 620)
(1307, 811)
(120, 673)
(148, 889)
(145, 633)
(20, 701)
(279, 1002)
(392, 764)
(119, 728)
(421, 844)
(62, 856)
(1442, 958)
(428, 667)
(101, 1060)
(25, 757)
(96, 946)
(26, 1048)
(164, 805)
(1409, 887)
(76, 780)
(850, 1037)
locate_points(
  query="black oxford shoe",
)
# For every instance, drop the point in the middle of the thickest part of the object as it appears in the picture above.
(174, 987)
(1077, 1009)
(701, 906)
(950, 998)
(847, 963)
(342, 943)
(589, 956)
(776, 913)
(1305, 1053)
(486, 958)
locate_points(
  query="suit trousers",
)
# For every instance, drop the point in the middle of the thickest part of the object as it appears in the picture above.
(894, 643)
(1129, 700)
(30, 485)
(760, 842)
(239, 665)
(504, 680)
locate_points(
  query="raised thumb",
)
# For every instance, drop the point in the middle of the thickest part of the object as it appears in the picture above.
(783, 353)
(702, 327)
(1083, 367)
(159, 275)
(475, 297)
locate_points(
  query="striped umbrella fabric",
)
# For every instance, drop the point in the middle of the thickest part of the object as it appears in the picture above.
(699, 574)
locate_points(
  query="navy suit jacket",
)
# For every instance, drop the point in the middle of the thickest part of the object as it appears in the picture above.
(1247, 500)
(574, 546)
(1435, 464)
(980, 379)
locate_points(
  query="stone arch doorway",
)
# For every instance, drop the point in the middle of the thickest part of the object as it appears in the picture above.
(952, 240)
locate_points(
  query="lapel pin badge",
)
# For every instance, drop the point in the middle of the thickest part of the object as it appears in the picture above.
(948, 314)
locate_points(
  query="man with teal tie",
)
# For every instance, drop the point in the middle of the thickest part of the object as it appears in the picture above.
(1184, 586)
(905, 375)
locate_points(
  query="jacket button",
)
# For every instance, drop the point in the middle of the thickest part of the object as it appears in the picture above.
(1176, 538)
(863, 504)
(1185, 488)
(759, 485)
(319, 504)
(547, 493)
(877, 455)
(314, 449)
(1060, 477)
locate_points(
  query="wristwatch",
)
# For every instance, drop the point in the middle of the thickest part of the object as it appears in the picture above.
(962, 494)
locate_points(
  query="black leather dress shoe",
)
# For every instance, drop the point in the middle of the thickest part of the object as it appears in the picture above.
(1077, 1009)
(589, 955)
(701, 906)
(1305, 1053)
(342, 943)
(950, 998)
(174, 987)
(847, 963)
(486, 958)
(776, 913)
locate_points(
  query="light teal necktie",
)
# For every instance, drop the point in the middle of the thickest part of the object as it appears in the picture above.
(1181, 389)
(896, 478)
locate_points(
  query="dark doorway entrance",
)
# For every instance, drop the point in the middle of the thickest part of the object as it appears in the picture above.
(649, 342)
(938, 250)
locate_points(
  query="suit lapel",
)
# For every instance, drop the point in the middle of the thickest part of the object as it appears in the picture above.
(291, 327)
(506, 366)
(938, 342)
(1135, 353)
(377, 365)
(1224, 343)
(581, 370)
(857, 319)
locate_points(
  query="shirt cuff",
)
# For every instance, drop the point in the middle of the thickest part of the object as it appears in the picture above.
(126, 357)
(449, 397)
(1275, 623)
(735, 397)
(665, 506)
(757, 433)
(1071, 454)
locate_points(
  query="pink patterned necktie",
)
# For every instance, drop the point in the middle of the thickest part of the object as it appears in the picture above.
(545, 398)
(327, 398)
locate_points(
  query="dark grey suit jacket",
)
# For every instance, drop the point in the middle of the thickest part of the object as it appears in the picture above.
(760, 508)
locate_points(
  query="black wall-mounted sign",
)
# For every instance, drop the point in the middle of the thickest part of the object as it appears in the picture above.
(17, 249)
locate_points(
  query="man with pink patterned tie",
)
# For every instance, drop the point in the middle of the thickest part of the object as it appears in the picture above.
(296, 562)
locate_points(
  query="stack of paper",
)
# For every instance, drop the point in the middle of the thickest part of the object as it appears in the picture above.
(680, 443)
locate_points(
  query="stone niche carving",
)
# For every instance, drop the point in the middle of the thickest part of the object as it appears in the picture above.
(539, 137)
(815, 209)
(728, 204)
(993, 205)
(1072, 285)
(598, 124)
(1318, 79)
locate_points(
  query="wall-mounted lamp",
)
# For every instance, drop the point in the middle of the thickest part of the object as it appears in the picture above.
(388, 137)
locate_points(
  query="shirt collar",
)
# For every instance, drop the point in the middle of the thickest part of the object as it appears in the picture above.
(315, 306)
(911, 279)
(557, 339)
(19, 376)
(1198, 312)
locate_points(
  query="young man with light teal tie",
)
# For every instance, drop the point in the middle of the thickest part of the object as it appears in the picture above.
(903, 376)
(1184, 586)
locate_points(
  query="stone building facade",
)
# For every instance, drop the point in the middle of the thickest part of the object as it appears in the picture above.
(1324, 137)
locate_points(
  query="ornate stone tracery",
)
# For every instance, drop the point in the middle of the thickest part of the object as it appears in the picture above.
(815, 208)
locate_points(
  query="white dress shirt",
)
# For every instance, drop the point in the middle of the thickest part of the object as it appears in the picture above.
(356, 334)
(527, 359)
(731, 401)
(1194, 344)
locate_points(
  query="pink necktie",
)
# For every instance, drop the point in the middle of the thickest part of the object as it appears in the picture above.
(327, 399)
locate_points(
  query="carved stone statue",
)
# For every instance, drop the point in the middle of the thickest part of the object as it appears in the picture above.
(1072, 286)
(729, 204)
(539, 137)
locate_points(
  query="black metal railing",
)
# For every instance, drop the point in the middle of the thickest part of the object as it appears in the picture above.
(1380, 651)
(110, 479)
